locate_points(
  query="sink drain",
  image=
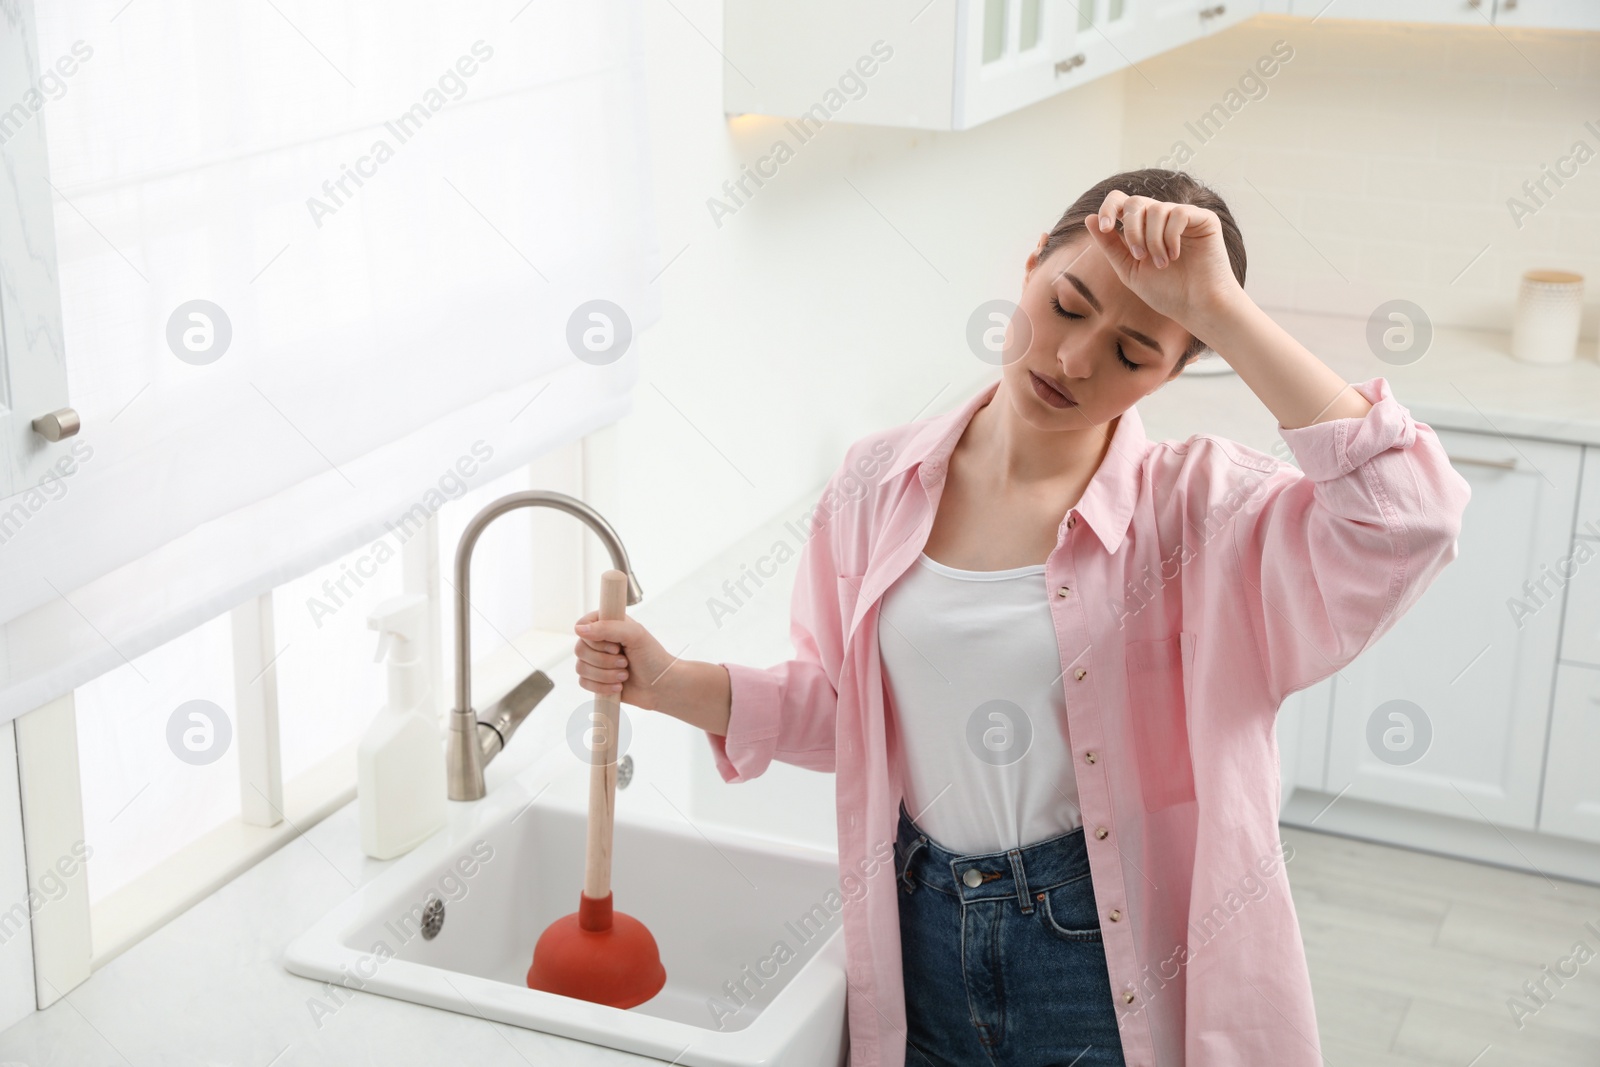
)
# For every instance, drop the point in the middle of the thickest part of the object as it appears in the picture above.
(432, 919)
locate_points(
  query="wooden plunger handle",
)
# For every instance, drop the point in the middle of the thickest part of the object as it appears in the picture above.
(603, 755)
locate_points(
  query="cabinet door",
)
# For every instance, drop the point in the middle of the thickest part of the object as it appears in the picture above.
(1167, 24)
(33, 368)
(1164, 25)
(1558, 14)
(1219, 15)
(1476, 674)
(1106, 36)
(1466, 12)
(1302, 733)
(1571, 787)
(1006, 53)
(1579, 570)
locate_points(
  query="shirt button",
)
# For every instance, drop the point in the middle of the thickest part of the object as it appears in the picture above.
(1064, 591)
(1088, 757)
(1080, 674)
(1072, 520)
(972, 878)
(1115, 915)
(1128, 996)
(1101, 832)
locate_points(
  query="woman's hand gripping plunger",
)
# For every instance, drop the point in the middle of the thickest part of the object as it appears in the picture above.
(620, 656)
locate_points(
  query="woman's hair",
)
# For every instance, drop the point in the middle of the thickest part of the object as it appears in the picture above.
(1171, 186)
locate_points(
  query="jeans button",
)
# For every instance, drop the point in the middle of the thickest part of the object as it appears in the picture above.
(972, 878)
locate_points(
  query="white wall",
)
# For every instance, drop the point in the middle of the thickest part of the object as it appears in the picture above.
(807, 320)
(1379, 162)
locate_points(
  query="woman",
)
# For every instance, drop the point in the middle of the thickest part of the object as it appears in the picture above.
(1044, 656)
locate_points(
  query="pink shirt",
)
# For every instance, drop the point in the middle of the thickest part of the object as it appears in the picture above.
(1194, 587)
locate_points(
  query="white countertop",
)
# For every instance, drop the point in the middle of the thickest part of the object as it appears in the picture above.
(208, 987)
(1467, 380)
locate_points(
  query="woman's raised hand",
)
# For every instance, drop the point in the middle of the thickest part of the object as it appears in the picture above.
(1170, 255)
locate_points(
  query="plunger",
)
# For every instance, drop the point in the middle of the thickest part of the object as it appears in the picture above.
(597, 953)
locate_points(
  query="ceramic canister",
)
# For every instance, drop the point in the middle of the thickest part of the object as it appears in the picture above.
(1549, 311)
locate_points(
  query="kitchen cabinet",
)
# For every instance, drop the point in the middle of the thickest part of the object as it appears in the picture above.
(941, 64)
(956, 64)
(33, 368)
(1006, 53)
(1571, 802)
(1463, 12)
(1106, 38)
(1580, 636)
(1548, 14)
(1527, 14)
(1475, 655)
(1167, 24)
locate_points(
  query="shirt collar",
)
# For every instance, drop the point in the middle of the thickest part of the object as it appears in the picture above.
(1108, 502)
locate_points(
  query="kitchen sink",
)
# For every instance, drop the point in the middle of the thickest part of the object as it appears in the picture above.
(749, 929)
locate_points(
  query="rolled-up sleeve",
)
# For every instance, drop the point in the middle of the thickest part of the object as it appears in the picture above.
(1333, 554)
(788, 712)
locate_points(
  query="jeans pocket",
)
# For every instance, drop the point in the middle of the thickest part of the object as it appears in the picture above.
(1069, 912)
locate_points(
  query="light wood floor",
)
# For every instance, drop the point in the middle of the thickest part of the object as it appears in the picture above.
(1413, 958)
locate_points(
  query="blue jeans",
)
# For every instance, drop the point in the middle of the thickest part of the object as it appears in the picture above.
(1010, 972)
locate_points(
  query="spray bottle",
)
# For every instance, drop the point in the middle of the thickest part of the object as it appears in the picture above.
(400, 776)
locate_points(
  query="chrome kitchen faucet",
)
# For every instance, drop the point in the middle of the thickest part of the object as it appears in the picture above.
(474, 742)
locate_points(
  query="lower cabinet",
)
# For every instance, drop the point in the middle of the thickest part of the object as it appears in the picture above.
(1571, 805)
(1448, 712)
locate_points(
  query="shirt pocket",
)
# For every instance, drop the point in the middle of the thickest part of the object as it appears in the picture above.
(1158, 705)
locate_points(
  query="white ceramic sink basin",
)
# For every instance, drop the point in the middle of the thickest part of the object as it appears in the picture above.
(749, 930)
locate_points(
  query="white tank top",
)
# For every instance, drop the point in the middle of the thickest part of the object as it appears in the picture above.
(973, 685)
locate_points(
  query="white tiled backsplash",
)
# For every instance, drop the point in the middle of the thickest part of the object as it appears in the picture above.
(1378, 160)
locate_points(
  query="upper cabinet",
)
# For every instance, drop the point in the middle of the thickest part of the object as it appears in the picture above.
(1530, 14)
(1548, 14)
(34, 418)
(1465, 12)
(940, 64)
(954, 64)
(1006, 53)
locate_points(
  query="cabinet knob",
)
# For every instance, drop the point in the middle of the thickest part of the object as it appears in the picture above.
(1214, 12)
(57, 425)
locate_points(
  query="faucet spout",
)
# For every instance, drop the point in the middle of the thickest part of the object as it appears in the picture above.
(469, 750)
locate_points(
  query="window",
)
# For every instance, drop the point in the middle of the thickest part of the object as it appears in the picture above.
(167, 742)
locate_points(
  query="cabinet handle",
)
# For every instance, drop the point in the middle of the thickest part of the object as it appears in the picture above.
(57, 425)
(1473, 461)
(1070, 63)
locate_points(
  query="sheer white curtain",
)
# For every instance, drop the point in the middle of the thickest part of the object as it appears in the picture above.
(397, 207)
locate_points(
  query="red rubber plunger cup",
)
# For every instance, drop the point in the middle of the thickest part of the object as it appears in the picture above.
(597, 953)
